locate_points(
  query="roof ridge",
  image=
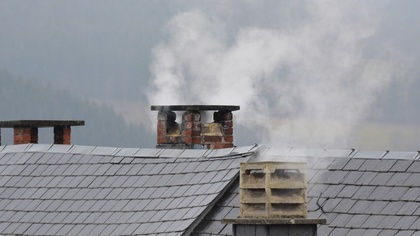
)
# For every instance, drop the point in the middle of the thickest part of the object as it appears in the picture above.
(260, 150)
(127, 152)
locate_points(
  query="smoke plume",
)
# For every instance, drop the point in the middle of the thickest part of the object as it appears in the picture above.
(306, 81)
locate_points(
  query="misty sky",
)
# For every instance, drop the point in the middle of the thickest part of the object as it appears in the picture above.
(118, 49)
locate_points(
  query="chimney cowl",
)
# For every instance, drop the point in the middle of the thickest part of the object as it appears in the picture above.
(273, 200)
(192, 132)
(273, 190)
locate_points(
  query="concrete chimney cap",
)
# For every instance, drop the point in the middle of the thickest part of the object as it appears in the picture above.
(40, 123)
(195, 108)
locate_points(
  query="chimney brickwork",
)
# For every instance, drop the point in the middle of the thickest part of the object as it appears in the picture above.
(62, 134)
(23, 135)
(191, 132)
(26, 131)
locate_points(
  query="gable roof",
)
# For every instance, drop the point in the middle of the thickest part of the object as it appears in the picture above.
(83, 190)
(67, 190)
(358, 192)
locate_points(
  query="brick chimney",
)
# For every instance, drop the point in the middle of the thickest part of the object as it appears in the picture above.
(26, 131)
(192, 131)
(273, 200)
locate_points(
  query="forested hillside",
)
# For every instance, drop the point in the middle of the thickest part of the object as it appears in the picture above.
(24, 99)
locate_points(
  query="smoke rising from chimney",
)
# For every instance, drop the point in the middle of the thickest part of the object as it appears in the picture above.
(307, 83)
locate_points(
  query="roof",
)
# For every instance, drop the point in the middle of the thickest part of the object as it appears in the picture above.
(67, 190)
(84, 190)
(358, 192)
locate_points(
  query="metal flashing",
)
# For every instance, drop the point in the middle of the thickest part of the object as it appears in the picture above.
(148, 152)
(220, 152)
(60, 148)
(15, 148)
(401, 155)
(77, 149)
(104, 151)
(39, 147)
(127, 151)
(369, 154)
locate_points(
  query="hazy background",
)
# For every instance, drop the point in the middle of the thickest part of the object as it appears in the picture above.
(319, 74)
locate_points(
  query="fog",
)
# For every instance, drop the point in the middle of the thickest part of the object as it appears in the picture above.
(323, 74)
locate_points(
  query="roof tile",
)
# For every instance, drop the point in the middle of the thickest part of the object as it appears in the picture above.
(413, 180)
(372, 232)
(333, 190)
(392, 208)
(338, 163)
(345, 205)
(328, 205)
(360, 207)
(396, 193)
(341, 220)
(354, 164)
(366, 178)
(381, 179)
(380, 193)
(415, 226)
(404, 233)
(323, 163)
(411, 194)
(406, 222)
(414, 167)
(401, 165)
(329, 177)
(373, 221)
(363, 192)
(357, 221)
(408, 208)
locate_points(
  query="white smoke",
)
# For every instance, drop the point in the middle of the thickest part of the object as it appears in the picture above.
(308, 83)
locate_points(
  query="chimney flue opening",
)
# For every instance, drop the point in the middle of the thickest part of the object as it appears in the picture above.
(192, 132)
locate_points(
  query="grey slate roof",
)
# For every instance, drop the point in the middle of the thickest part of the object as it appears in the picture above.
(83, 190)
(360, 192)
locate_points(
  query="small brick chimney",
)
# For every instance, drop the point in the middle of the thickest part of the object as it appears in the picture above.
(192, 132)
(26, 131)
(273, 200)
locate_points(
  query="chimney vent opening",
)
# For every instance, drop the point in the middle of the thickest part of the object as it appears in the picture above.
(195, 130)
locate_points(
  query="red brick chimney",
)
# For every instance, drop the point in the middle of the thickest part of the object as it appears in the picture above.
(26, 131)
(191, 131)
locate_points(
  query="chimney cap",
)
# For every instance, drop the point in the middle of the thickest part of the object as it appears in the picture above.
(40, 123)
(195, 108)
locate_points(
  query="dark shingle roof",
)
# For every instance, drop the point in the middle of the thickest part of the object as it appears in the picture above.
(361, 193)
(83, 190)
